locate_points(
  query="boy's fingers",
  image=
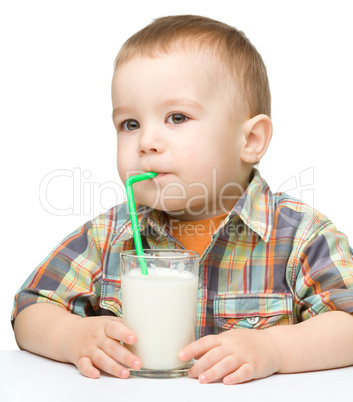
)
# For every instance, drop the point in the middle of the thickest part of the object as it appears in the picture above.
(207, 361)
(87, 369)
(221, 369)
(245, 373)
(199, 347)
(119, 353)
(117, 330)
(101, 360)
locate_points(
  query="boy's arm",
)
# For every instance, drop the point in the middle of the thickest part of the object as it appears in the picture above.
(239, 355)
(43, 328)
(90, 343)
(322, 342)
(49, 308)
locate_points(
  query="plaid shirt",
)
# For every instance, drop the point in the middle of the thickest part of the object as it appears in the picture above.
(273, 260)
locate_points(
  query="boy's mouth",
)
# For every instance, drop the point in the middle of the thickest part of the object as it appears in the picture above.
(159, 174)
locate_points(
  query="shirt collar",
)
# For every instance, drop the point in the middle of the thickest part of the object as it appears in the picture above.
(255, 208)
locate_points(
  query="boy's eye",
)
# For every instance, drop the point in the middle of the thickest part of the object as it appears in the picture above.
(130, 125)
(177, 118)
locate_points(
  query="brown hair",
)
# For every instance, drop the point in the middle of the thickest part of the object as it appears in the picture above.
(237, 55)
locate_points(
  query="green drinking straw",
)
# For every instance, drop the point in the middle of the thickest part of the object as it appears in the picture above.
(133, 214)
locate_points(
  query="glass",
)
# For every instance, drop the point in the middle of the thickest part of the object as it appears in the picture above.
(160, 308)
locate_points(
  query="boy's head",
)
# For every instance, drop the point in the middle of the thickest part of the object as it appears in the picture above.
(191, 102)
(242, 66)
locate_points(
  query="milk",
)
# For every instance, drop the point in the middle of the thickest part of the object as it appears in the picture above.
(160, 308)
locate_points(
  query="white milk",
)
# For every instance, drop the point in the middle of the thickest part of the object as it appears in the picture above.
(160, 308)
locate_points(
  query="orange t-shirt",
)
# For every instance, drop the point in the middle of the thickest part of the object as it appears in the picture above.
(196, 235)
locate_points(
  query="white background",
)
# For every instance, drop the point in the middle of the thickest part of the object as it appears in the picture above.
(55, 72)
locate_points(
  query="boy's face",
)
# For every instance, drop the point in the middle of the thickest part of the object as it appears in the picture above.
(173, 116)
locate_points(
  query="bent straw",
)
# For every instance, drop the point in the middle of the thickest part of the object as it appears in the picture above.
(133, 215)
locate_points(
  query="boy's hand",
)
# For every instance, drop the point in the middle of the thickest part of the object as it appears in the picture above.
(95, 344)
(237, 355)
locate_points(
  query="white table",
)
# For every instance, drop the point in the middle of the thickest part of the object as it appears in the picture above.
(28, 377)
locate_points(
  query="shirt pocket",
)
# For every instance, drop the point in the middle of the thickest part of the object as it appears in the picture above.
(252, 310)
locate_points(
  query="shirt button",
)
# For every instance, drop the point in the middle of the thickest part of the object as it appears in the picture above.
(253, 320)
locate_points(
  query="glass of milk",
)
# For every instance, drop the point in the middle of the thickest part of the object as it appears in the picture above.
(160, 308)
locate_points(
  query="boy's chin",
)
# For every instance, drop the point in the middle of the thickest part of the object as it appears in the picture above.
(170, 208)
(181, 213)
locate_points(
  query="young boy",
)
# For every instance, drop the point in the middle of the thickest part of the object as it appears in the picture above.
(191, 102)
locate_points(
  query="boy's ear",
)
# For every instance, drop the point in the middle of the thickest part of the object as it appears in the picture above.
(257, 137)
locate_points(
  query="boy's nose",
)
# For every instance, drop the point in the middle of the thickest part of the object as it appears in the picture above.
(150, 142)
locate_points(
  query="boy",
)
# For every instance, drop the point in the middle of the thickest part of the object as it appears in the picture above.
(191, 102)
